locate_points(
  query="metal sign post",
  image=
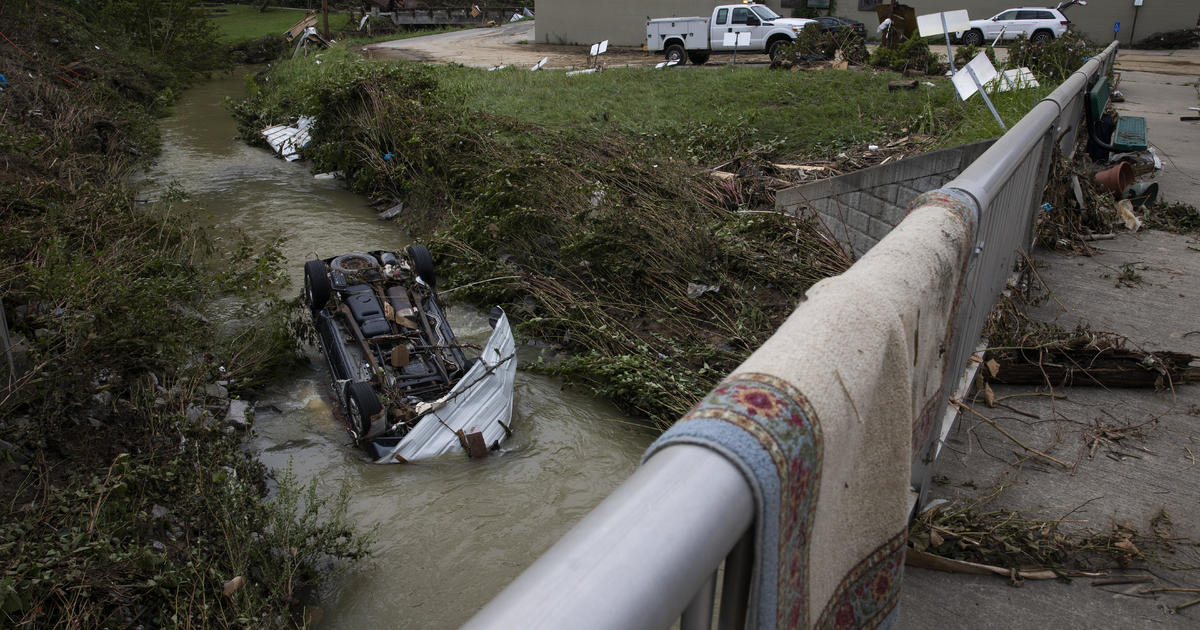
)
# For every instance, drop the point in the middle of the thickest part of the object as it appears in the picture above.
(943, 23)
(983, 93)
(977, 74)
(949, 52)
(735, 41)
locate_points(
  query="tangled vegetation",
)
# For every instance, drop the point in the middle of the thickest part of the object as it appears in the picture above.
(583, 212)
(127, 498)
(1052, 60)
(913, 55)
(597, 243)
(814, 44)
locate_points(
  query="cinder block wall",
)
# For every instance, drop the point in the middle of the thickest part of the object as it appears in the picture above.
(860, 208)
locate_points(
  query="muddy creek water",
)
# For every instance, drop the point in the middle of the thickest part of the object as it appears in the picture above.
(451, 532)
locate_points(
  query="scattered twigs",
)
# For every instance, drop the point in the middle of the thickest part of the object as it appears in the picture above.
(1013, 439)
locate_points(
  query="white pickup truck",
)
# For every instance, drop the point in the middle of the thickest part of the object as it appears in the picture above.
(695, 38)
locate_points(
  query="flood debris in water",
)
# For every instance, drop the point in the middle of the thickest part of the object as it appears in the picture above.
(287, 140)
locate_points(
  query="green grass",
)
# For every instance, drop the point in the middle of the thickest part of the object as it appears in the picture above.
(799, 113)
(238, 23)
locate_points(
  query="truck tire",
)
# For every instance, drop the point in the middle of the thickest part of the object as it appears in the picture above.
(1041, 36)
(361, 405)
(316, 285)
(422, 263)
(698, 57)
(676, 53)
(775, 48)
(972, 38)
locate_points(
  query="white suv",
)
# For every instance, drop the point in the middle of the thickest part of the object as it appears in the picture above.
(1039, 24)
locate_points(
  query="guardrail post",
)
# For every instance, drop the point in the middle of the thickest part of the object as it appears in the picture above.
(735, 588)
(699, 612)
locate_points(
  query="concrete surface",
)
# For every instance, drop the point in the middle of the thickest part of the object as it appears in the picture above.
(1128, 481)
(1161, 99)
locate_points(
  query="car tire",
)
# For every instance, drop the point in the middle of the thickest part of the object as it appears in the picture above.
(1041, 36)
(972, 38)
(316, 285)
(353, 263)
(698, 57)
(422, 264)
(676, 53)
(775, 48)
(361, 404)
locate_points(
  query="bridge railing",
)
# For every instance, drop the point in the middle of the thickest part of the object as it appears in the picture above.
(651, 553)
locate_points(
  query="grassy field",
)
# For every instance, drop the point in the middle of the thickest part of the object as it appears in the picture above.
(706, 113)
(239, 22)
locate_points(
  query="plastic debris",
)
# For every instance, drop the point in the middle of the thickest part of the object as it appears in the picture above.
(1125, 209)
(392, 212)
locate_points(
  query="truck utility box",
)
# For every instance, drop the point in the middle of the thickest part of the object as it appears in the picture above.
(744, 28)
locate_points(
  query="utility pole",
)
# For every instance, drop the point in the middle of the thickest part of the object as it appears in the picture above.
(325, 15)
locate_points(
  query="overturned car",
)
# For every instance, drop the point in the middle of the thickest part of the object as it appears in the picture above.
(407, 386)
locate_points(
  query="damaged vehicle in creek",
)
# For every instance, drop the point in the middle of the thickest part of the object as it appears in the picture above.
(403, 379)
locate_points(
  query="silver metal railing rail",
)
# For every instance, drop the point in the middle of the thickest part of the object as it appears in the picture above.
(649, 554)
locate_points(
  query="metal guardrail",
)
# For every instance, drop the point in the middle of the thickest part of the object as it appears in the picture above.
(649, 554)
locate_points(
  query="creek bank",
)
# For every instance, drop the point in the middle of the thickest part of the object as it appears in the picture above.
(128, 497)
(590, 240)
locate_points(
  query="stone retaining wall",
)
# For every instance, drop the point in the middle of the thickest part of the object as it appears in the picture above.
(860, 208)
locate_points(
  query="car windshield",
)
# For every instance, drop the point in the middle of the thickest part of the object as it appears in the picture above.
(765, 13)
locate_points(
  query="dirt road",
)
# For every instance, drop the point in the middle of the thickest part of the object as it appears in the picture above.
(508, 44)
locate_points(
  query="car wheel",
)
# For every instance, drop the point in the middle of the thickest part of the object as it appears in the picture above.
(316, 285)
(775, 48)
(676, 53)
(972, 38)
(351, 263)
(1041, 36)
(422, 263)
(362, 404)
(698, 57)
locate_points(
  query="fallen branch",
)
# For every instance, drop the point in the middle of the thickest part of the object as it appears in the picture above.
(926, 560)
(1085, 360)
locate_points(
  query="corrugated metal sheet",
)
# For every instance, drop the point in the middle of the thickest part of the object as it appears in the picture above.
(287, 140)
(481, 401)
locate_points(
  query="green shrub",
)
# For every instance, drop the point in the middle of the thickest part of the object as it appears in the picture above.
(912, 55)
(966, 53)
(1053, 60)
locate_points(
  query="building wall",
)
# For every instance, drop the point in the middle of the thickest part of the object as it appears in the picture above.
(623, 22)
